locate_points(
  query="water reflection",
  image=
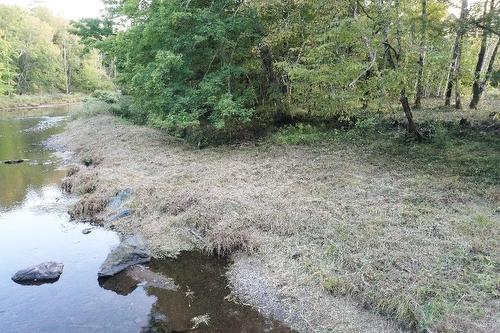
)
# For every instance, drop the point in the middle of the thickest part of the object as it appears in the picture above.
(38, 231)
(21, 137)
(35, 228)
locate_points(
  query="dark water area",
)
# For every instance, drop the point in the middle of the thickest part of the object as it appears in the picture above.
(35, 228)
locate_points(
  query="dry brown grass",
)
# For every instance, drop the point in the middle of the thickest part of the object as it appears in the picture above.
(88, 207)
(337, 233)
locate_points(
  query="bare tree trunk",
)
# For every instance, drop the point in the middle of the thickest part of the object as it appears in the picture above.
(421, 60)
(451, 74)
(65, 59)
(412, 128)
(458, 68)
(477, 87)
(454, 76)
(491, 64)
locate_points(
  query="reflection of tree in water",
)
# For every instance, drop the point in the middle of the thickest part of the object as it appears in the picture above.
(18, 142)
(202, 290)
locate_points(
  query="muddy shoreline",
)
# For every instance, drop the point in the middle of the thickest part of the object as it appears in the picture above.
(173, 221)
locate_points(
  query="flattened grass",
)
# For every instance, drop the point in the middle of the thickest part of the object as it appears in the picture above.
(427, 266)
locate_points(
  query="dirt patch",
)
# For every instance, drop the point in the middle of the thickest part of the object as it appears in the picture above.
(327, 238)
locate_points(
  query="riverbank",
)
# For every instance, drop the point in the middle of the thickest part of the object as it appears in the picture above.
(14, 102)
(332, 237)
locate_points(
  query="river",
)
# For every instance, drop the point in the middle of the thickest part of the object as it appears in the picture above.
(35, 227)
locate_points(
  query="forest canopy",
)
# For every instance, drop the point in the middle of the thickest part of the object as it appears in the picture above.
(228, 64)
(39, 54)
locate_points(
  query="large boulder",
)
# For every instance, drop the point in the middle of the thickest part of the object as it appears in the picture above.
(44, 273)
(132, 251)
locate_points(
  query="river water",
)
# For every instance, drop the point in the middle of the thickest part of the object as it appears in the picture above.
(35, 227)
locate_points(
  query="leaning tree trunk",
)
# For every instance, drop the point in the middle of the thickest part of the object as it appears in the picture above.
(491, 64)
(454, 77)
(477, 87)
(421, 60)
(412, 128)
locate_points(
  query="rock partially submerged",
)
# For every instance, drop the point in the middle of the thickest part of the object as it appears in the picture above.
(14, 161)
(132, 251)
(46, 272)
(86, 231)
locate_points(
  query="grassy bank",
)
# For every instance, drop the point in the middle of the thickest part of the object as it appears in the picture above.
(21, 101)
(363, 225)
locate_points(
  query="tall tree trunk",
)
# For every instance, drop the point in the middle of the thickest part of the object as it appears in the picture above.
(451, 74)
(458, 69)
(421, 60)
(491, 64)
(66, 70)
(454, 77)
(403, 98)
(477, 87)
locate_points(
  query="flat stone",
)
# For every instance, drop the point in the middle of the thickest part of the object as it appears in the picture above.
(130, 252)
(42, 273)
(87, 231)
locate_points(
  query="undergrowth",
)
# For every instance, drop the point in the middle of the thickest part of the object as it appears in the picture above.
(448, 147)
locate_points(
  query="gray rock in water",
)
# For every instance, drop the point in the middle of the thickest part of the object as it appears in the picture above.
(131, 251)
(86, 231)
(45, 272)
(14, 161)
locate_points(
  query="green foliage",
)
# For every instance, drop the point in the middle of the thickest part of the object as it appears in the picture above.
(7, 69)
(201, 70)
(109, 97)
(302, 134)
(39, 55)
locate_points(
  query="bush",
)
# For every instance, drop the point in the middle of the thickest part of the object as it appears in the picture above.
(110, 97)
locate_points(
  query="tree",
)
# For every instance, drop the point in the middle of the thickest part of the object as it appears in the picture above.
(202, 70)
(479, 84)
(42, 55)
(421, 61)
(455, 67)
(7, 70)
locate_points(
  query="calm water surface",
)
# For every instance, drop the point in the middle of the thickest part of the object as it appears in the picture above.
(34, 228)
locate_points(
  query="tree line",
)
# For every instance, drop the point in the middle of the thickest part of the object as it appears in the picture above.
(40, 54)
(227, 65)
